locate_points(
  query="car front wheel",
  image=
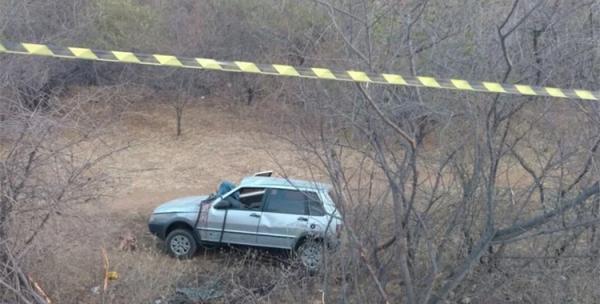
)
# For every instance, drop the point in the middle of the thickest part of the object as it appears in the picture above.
(181, 244)
(311, 255)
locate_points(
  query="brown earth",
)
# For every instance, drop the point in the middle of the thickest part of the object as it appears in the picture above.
(218, 143)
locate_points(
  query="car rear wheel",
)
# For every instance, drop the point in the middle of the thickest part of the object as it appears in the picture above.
(181, 244)
(310, 253)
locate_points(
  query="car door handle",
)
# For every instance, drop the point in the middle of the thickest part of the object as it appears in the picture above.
(303, 219)
(254, 215)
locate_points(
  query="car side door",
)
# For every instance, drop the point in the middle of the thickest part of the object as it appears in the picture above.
(284, 218)
(319, 223)
(238, 223)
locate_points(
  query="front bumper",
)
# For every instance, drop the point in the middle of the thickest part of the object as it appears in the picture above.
(158, 223)
(157, 229)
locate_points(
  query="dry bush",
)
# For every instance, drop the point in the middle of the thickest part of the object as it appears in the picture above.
(65, 257)
(447, 196)
(51, 158)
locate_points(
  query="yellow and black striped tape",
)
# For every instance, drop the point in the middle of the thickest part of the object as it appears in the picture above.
(290, 71)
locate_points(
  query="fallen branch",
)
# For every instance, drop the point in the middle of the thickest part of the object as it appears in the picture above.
(39, 290)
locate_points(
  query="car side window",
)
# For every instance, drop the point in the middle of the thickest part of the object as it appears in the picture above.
(247, 199)
(286, 201)
(315, 208)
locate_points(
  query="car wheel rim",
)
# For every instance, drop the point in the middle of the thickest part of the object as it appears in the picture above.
(180, 245)
(311, 256)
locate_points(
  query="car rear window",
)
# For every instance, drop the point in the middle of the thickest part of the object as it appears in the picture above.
(315, 208)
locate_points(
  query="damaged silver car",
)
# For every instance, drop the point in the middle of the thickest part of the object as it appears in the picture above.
(261, 211)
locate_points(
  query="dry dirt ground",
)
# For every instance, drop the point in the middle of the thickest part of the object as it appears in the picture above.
(219, 143)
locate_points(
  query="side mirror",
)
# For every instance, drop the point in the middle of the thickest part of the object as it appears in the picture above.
(223, 204)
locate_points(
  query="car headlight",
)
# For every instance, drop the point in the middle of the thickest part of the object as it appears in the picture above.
(155, 217)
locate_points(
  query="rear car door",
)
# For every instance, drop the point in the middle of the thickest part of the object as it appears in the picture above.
(284, 218)
(318, 222)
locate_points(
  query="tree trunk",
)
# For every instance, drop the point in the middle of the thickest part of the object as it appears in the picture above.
(179, 114)
(402, 247)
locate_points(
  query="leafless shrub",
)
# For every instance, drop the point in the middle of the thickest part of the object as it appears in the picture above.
(446, 196)
(466, 182)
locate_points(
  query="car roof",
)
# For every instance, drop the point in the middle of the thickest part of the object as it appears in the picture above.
(280, 182)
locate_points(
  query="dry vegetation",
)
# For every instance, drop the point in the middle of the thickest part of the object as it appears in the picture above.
(219, 143)
(447, 197)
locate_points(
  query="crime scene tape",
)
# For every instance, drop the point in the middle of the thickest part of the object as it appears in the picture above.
(48, 50)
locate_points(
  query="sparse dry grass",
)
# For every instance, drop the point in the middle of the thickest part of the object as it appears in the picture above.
(219, 142)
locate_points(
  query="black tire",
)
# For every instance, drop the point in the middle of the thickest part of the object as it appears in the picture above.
(181, 244)
(310, 254)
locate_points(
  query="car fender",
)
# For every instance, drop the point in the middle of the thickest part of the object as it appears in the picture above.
(162, 228)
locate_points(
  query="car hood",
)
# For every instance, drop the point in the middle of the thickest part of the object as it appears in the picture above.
(183, 204)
